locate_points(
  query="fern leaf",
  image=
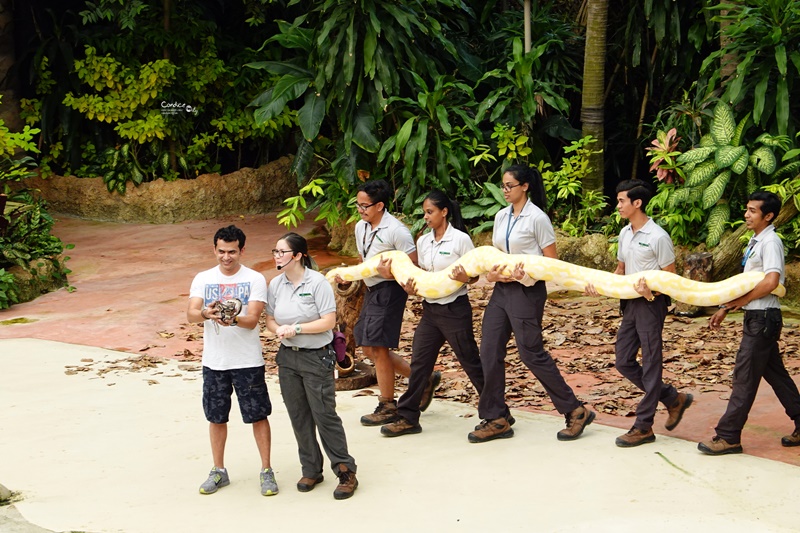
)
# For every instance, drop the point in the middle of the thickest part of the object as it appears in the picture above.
(717, 219)
(714, 191)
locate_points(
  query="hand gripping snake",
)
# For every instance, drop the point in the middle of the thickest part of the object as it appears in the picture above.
(572, 277)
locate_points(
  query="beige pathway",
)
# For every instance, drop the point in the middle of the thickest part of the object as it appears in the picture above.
(126, 451)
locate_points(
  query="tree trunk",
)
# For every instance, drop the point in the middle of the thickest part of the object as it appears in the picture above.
(527, 18)
(9, 110)
(729, 61)
(592, 108)
(728, 253)
(172, 145)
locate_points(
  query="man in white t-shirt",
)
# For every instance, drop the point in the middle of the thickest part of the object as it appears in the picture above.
(232, 358)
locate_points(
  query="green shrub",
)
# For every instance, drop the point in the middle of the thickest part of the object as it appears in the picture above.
(8, 295)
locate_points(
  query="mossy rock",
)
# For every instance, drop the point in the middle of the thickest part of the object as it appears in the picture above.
(42, 276)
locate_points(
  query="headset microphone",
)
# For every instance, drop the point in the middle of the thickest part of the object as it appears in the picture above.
(287, 264)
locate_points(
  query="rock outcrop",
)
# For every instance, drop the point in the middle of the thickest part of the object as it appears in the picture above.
(246, 191)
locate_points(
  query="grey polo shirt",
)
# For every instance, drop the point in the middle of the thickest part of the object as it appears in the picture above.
(529, 233)
(434, 256)
(307, 302)
(390, 234)
(764, 253)
(650, 248)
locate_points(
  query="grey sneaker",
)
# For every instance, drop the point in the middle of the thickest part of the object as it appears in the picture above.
(216, 480)
(268, 485)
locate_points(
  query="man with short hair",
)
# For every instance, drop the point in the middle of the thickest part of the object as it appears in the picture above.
(759, 355)
(232, 358)
(644, 245)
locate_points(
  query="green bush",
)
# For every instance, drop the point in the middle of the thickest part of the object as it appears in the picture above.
(8, 295)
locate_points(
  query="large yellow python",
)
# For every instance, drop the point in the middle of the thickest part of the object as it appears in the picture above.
(572, 277)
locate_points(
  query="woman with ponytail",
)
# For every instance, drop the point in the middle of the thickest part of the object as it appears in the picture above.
(301, 311)
(517, 306)
(443, 319)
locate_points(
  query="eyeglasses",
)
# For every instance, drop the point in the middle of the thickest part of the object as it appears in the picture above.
(364, 207)
(279, 253)
(507, 188)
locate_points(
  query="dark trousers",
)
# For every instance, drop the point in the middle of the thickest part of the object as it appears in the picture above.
(309, 392)
(642, 326)
(518, 309)
(758, 357)
(439, 323)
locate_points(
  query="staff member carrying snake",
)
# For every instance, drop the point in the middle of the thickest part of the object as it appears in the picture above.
(443, 319)
(378, 326)
(643, 246)
(517, 305)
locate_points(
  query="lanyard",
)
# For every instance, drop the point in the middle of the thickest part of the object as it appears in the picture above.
(748, 253)
(510, 227)
(435, 248)
(364, 245)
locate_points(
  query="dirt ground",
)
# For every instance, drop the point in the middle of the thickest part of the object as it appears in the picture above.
(129, 289)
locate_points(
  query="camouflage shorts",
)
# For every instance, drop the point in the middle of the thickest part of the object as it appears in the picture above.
(251, 391)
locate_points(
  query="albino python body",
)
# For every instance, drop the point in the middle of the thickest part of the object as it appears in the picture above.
(573, 277)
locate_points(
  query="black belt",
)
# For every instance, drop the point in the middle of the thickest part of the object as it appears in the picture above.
(298, 349)
(761, 312)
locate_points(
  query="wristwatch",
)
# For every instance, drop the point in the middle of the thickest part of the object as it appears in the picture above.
(297, 329)
(235, 321)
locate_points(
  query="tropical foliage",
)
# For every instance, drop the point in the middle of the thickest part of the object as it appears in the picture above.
(120, 93)
(423, 93)
(761, 41)
(720, 172)
(27, 235)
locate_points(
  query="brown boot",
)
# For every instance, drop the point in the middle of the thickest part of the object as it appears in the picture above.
(676, 411)
(347, 483)
(427, 396)
(635, 437)
(401, 426)
(791, 440)
(719, 446)
(307, 484)
(577, 420)
(509, 417)
(498, 428)
(385, 412)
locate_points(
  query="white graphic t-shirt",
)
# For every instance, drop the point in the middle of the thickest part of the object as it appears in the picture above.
(231, 347)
